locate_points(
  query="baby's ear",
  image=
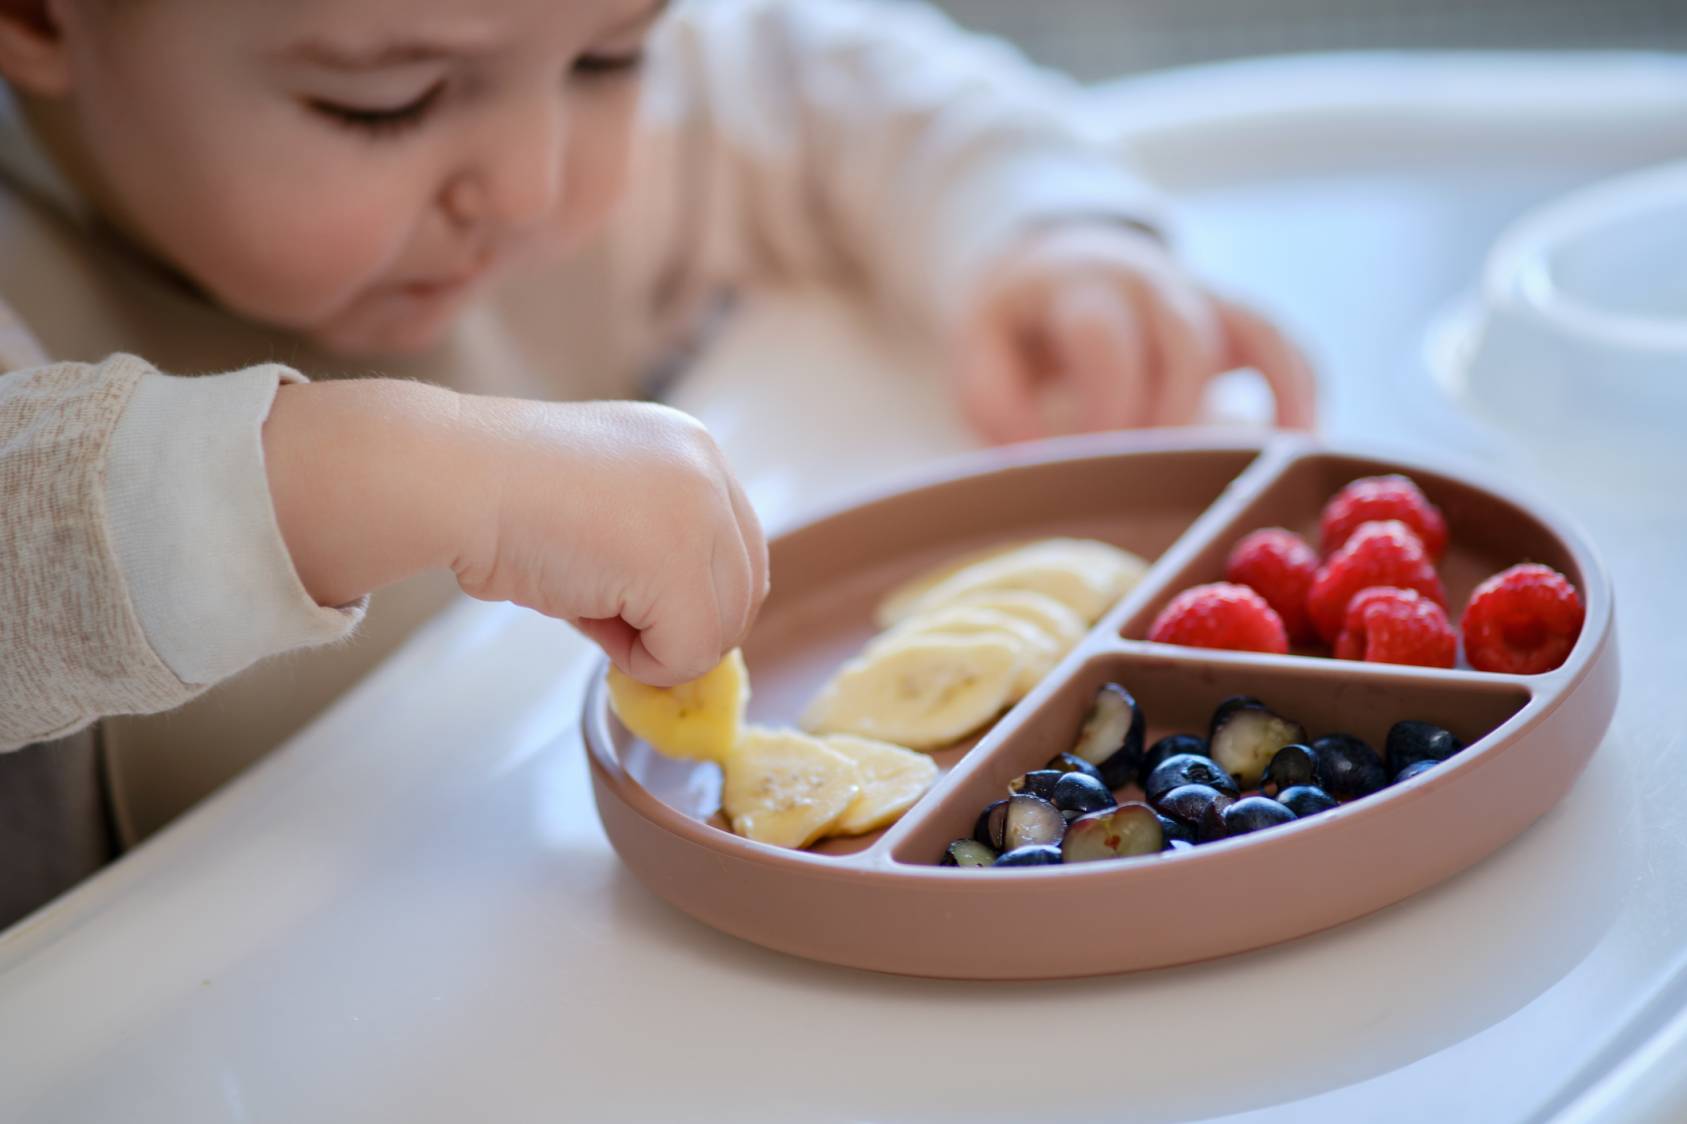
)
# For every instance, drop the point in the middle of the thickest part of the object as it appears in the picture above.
(32, 47)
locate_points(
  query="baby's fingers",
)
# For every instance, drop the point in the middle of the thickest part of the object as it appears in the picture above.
(1255, 342)
(994, 388)
(1098, 342)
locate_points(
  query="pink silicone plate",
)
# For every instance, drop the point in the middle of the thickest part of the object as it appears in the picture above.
(880, 901)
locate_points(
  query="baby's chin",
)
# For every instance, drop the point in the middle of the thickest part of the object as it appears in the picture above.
(393, 327)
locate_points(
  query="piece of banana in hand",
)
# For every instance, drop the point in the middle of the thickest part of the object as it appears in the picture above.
(699, 719)
(1085, 575)
(924, 693)
(892, 778)
(786, 788)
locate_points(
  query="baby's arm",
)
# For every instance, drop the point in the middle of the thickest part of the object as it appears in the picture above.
(621, 517)
(875, 141)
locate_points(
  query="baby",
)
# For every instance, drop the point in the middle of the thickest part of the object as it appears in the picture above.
(491, 203)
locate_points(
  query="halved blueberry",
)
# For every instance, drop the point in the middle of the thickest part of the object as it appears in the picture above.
(1348, 767)
(1187, 768)
(967, 852)
(1111, 737)
(1411, 741)
(1076, 794)
(1130, 829)
(1246, 735)
(1306, 800)
(1292, 765)
(1255, 813)
(1020, 821)
(1041, 854)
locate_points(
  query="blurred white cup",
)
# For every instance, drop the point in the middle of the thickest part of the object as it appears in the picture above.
(1580, 346)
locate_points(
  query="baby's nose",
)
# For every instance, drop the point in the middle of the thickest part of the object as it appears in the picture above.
(518, 179)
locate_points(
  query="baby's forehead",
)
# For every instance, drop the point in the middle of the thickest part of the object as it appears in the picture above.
(377, 32)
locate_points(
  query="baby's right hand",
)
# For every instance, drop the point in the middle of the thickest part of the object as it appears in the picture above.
(621, 517)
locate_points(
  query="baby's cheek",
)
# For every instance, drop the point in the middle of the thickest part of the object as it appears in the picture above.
(295, 256)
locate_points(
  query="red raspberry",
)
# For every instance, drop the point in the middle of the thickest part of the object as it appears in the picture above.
(1523, 621)
(1385, 553)
(1279, 566)
(1375, 498)
(1221, 615)
(1388, 625)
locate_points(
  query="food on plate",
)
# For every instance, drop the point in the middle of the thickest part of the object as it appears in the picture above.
(1115, 833)
(1522, 621)
(1040, 610)
(1375, 499)
(1400, 626)
(1038, 650)
(1263, 773)
(1111, 736)
(786, 788)
(699, 719)
(1021, 820)
(1221, 615)
(1306, 800)
(1085, 575)
(924, 693)
(1411, 741)
(1348, 767)
(891, 780)
(1245, 735)
(1387, 553)
(1199, 808)
(1278, 565)
(1076, 794)
(1253, 813)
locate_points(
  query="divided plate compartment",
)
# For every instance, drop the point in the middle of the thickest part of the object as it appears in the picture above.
(1181, 501)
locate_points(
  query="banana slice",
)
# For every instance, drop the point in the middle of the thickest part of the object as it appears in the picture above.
(1038, 650)
(786, 788)
(896, 603)
(925, 693)
(1045, 612)
(892, 778)
(1085, 575)
(699, 719)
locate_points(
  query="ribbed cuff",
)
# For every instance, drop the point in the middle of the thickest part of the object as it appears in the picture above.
(194, 530)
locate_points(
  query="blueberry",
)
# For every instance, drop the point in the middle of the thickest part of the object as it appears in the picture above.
(1306, 800)
(1178, 845)
(1115, 833)
(1111, 737)
(1414, 769)
(1040, 854)
(1199, 807)
(968, 852)
(1292, 765)
(1410, 742)
(1066, 763)
(1169, 746)
(1075, 794)
(1254, 813)
(1187, 768)
(1348, 767)
(1038, 782)
(1175, 832)
(1020, 821)
(1246, 735)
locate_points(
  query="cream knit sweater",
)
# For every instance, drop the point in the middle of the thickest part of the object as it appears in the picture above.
(140, 565)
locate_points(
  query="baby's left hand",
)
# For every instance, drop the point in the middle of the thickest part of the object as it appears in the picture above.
(1091, 326)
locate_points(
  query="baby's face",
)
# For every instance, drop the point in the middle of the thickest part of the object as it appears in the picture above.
(354, 169)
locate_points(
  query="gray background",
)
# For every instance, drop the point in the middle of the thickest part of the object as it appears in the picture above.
(1097, 39)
